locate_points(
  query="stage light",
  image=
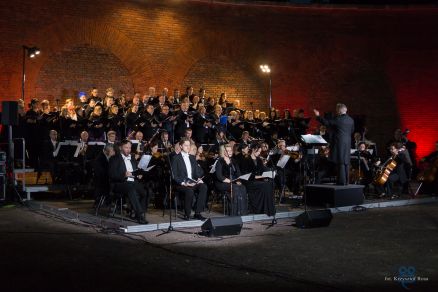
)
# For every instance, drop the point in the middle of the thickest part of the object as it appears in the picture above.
(265, 69)
(31, 52)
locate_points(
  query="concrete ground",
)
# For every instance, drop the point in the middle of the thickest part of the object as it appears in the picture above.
(357, 252)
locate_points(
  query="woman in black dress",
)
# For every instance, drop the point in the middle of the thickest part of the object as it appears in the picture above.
(260, 189)
(228, 170)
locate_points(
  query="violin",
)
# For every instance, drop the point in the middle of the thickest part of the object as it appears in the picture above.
(293, 154)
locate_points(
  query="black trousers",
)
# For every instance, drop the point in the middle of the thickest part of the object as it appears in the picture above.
(136, 194)
(342, 172)
(200, 191)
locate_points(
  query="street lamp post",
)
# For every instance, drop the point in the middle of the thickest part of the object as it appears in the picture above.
(266, 70)
(31, 52)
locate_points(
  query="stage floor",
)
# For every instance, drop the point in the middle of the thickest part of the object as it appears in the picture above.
(360, 251)
(81, 209)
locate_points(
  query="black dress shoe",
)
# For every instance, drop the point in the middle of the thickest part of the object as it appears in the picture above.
(141, 220)
(186, 217)
(199, 217)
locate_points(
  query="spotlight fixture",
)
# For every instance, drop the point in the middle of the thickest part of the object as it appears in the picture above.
(32, 52)
(266, 70)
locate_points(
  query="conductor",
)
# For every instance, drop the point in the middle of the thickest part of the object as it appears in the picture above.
(343, 127)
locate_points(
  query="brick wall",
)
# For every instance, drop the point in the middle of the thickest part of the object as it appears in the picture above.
(79, 69)
(219, 75)
(318, 55)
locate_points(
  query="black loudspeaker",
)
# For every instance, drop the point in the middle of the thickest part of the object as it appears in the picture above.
(219, 226)
(10, 113)
(314, 218)
(330, 196)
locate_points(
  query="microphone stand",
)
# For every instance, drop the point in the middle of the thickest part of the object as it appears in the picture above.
(231, 184)
(274, 220)
(170, 228)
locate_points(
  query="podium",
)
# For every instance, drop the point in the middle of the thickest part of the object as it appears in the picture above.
(331, 195)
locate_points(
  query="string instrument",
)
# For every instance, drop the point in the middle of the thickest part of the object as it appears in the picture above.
(293, 154)
(383, 173)
(429, 173)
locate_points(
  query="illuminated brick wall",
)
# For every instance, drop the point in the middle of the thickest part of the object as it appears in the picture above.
(374, 60)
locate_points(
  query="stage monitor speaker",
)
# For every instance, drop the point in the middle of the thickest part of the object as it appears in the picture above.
(10, 113)
(219, 226)
(314, 218)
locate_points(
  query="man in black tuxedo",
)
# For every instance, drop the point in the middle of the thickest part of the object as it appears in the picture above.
(47, 157)
(187, 175)
(343, 127)
(121, 173)
(100, 167)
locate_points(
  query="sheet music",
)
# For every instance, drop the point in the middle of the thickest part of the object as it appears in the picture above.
(55, 153)
(78, 149)
(313, 139)
(213, 167)
(149, 168)
(269, 174)
(283, 160)
(244, 177)
(293, 148)
(144, 161)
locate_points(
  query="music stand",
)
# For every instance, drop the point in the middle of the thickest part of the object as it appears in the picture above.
(65, 154)
(313, 141)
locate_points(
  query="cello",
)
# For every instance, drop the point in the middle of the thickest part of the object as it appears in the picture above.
(429, 173)
(382, 174)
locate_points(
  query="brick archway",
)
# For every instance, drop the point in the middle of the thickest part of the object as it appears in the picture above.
(69, 33)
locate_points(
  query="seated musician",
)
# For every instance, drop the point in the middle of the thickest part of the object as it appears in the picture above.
(289, 175)
(226, 171)
(187, 175)
(100, 173)
(241, 153)
(221, 139)
(365, 176)
(188, 133)
(429, 175)
(140, 147)
(324, 166)
(399, 174)
(164, 145)
(260, 189)
(245, 139)
(121, 173)
(47, 156)
(154, 179)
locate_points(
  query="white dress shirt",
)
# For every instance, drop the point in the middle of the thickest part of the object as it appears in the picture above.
(128, 164)
(188, 164)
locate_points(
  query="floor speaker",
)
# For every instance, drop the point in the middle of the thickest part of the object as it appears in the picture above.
(219, 226)
(314, 218)
(10, 113)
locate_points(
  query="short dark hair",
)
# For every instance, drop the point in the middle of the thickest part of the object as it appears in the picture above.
(184, 139)
(124, 142)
